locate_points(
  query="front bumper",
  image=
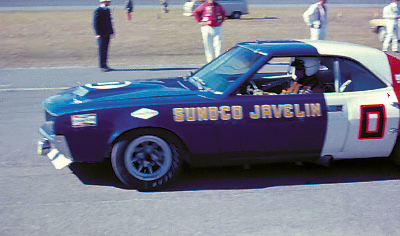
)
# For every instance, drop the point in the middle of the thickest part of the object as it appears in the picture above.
(55, 147)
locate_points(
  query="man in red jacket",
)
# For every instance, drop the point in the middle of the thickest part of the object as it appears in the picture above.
(210, 15)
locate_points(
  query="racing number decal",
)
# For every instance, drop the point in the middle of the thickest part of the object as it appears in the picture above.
(372, 121)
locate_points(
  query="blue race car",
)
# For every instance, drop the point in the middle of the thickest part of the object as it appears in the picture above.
(263, 101)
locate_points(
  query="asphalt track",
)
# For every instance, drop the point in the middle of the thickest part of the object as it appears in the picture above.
(355, 197)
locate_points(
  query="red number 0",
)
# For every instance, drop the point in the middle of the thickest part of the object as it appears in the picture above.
(372, 121)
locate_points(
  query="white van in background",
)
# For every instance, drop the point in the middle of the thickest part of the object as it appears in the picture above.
(233, 8)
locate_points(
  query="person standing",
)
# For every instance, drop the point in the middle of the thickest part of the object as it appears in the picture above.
(316, 17)
(210, 16)
(102, 23)
(391, 13)
(129, 8)
(164, 6)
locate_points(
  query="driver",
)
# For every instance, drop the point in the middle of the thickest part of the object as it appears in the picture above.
(306, 80)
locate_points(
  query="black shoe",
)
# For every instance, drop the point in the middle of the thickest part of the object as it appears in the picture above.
(105, 69)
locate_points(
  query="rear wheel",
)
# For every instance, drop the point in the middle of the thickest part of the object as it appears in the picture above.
(396, 153)
(236, 15)
(147, 161)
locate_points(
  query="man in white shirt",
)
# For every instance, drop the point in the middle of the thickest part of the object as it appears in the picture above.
(316, 17)
(391, 14)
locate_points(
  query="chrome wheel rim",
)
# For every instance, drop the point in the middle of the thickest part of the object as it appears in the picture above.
(148, 158)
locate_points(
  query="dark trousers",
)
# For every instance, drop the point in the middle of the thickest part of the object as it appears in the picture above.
(103, 50)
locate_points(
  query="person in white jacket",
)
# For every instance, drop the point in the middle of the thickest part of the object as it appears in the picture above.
(316, 17)
(391, 14)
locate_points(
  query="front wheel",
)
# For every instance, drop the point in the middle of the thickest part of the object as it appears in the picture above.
(146, 162)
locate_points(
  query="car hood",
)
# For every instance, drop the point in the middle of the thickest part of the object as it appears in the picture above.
(132, 90)
(117, 94)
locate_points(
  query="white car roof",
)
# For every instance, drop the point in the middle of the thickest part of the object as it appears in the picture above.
(373, 59)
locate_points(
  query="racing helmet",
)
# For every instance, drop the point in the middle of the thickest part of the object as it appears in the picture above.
(311, 65)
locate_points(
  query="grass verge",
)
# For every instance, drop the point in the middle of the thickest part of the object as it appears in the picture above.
(66, 38)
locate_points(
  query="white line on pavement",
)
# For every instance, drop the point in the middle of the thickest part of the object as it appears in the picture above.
(31, 89)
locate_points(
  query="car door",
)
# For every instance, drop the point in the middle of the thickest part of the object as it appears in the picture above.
(231, 6)
(362, 117)
(275, 125)
(272, 125)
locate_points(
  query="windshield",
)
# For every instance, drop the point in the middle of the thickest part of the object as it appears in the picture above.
(221, 73)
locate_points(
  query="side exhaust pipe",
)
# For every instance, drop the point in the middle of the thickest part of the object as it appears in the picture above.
(324, 161)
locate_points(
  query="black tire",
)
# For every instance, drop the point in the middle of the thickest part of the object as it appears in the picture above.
(396, 153)
(236, 15)
(146, 161)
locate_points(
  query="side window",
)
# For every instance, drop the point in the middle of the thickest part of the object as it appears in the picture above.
(326, 74)
(275, 67)
(269, 79)
(292, 75)
(354, 77)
